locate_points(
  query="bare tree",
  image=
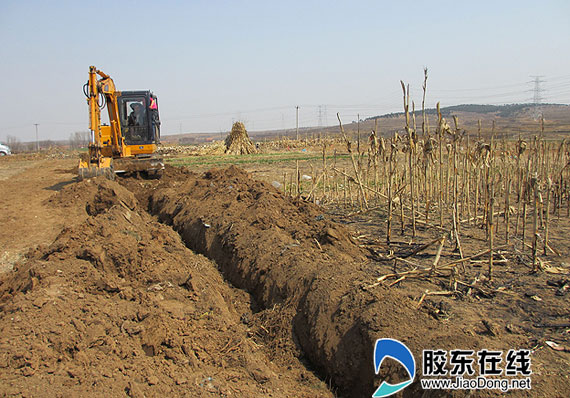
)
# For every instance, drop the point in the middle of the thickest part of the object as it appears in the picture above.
(47, 144)
(14, 143)
(79, 139)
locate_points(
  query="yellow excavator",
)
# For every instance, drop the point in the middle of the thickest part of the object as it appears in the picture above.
(130, 141)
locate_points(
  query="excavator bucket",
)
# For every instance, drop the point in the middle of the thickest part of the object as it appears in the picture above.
(103, 168)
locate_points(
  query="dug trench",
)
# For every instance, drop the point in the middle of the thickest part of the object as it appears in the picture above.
(313, 276)
(118, 305)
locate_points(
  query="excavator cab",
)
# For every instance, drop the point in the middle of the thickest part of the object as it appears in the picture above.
(140, 122)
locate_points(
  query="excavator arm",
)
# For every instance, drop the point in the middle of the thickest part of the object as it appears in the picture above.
(101, 86)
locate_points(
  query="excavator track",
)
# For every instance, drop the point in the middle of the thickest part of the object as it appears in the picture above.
(152, 165)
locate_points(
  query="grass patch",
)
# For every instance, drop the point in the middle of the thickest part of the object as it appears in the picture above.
(256, 158)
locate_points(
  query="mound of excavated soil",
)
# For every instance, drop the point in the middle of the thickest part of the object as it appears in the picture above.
(291, 258)
(96, 195)
(118, 306)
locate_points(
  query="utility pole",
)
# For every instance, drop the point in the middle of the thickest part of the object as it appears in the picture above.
(297, 124)
(358, 133)
(37, 139)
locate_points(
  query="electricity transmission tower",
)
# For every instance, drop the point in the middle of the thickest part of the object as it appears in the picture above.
(537, 95)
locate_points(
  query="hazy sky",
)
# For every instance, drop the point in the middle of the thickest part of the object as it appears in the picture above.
(213, 62)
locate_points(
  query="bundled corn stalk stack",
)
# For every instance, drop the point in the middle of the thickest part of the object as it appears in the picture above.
(238, 142)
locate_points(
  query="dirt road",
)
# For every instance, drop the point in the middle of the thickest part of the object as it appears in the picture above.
(27, 220)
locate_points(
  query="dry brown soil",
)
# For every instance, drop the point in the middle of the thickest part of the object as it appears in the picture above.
(216, 284)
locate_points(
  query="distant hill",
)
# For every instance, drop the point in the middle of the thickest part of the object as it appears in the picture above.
(510, 121)
(500, 110)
